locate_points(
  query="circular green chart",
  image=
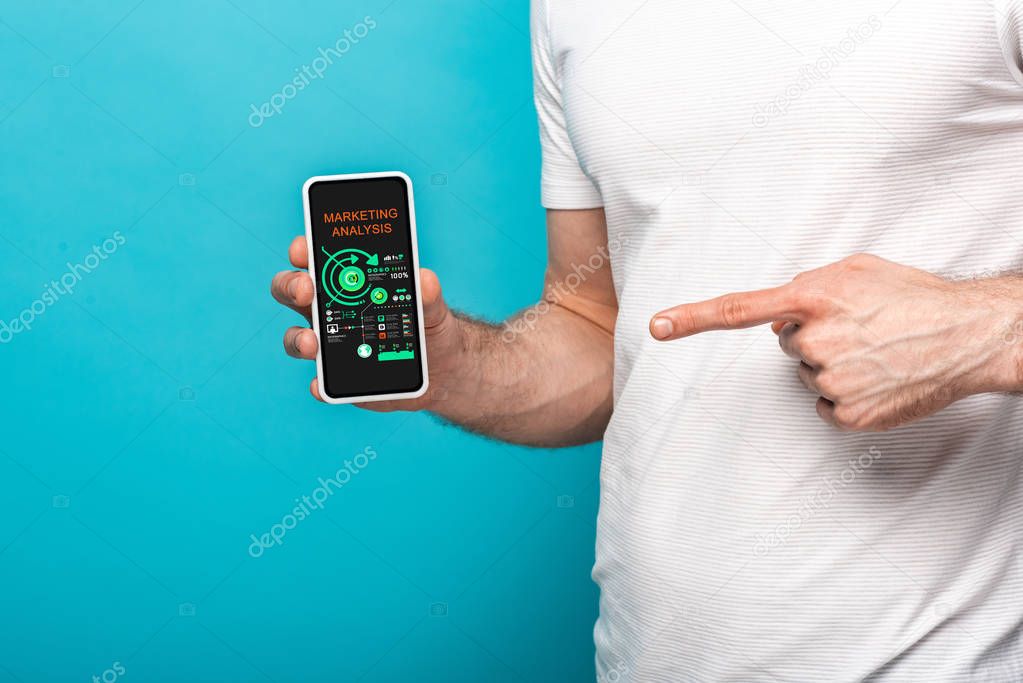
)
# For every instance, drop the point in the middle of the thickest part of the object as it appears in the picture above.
(343, 278)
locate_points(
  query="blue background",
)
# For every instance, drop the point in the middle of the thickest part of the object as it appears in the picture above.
(152, 421)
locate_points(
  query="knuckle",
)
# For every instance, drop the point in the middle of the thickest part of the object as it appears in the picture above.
(807, 345)
(860, 259)
(277, 284)
(684, 319)
(850, 419)
(300, 286)
(815, 347)
(819, 295)
(845, 418)
(288, 283)
(731, 310)
(829, 384)
(291, 341)
(801, 297)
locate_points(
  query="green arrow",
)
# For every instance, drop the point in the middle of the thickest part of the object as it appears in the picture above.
(371, 260)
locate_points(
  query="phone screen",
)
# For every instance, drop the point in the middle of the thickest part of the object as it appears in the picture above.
(366, 294)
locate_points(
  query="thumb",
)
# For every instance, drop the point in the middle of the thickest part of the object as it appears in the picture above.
(435, 310)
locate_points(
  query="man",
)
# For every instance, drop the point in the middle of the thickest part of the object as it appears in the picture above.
(849, 507)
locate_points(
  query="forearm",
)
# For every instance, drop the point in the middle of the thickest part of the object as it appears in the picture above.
(544, 378)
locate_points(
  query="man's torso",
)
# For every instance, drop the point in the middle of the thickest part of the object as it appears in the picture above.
(734, 145)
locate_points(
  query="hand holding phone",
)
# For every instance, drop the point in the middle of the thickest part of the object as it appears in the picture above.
(367, 310)
(445, 335)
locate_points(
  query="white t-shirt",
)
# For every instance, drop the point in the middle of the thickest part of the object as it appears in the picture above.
(734, 144)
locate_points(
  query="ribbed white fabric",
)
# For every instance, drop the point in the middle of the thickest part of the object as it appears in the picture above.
(733, 144)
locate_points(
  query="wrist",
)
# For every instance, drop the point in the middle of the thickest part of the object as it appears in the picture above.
(453, 367)
(1003, 297)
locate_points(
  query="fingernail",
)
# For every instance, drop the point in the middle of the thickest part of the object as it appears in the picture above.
(662, 327)
(293, 288)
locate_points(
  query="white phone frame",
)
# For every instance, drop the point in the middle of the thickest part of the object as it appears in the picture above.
(415, 274)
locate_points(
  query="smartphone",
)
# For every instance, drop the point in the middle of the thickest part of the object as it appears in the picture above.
(367, 309)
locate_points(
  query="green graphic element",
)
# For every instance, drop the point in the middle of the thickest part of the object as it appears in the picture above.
(344, 281)
(364, 350)
(378, 295)
(396, 355)
(352, 279)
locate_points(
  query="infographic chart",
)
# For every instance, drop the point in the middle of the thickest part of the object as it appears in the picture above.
(370, 301)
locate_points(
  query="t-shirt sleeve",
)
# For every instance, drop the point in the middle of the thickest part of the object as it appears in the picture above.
(564, 185)
(1009, 14)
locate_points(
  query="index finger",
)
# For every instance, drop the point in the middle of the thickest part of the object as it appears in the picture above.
(729, 312)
